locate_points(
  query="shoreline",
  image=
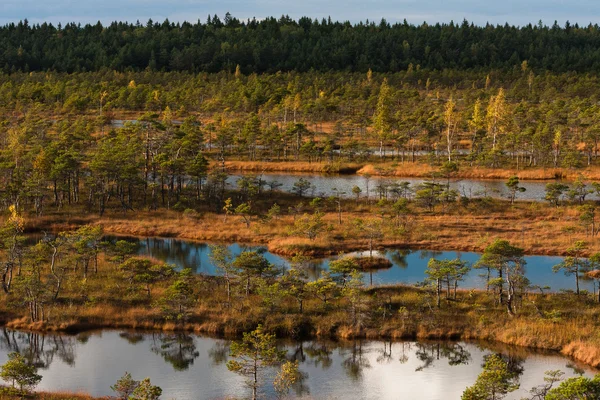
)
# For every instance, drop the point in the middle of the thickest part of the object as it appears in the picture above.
(578, 350)
(409, 170)
(279, 246)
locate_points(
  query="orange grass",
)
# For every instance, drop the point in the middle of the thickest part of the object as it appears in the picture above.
(537, 227)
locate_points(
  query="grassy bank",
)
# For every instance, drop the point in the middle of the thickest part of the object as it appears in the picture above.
(538, 228)
(53, 396)
(407, 169)
(557, 322)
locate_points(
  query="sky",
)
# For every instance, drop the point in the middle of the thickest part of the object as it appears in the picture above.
(515, 12)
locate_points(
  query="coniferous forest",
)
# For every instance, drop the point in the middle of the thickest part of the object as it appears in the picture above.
(283, 44)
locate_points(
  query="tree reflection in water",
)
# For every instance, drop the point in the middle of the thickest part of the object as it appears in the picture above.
(428, 353)
(404, 357)
(178, 349)
(39, 349)
(356, 362)
(132, 337)
(300, 386)
(398, 257)
(219, 352)
(385, 354)
(319, 354)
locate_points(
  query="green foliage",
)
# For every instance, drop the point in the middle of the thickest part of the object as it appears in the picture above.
(580, 388)
(494, 382)
(225, 44)
(179, 297)
(309, 225)
(574, 264)
(142, 271)
(146, 391)
(323, 288)
(256, 351)
(301, 187)
(554, 192)
(449, 272)
(125, 386)
(343, 267)
(513, 186)
(252, 265)
(18, 371)
(288, 375)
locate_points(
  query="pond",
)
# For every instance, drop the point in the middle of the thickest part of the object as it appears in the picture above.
(194, 367)
(324, 185)
(408, 265)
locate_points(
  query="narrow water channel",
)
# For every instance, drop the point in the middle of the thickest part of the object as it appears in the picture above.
(408, 265)
(329, 185)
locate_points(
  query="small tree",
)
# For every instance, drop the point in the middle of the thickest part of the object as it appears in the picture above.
(513, 187)
(179, 297)
(286, 378)
(356, 191)
(550, 378)
(222, 258)
(574, 263)
(353, 291)
(273, 213)
(302, 186)
(323, 288)
(253, 354)
(428, 194)
(121, 250)
(554, 192)
(143, 272)
(310, 225)
(19, 372)
(509, 262)
(125, 386)
(342, 268)
(146, 391)
(436, 271)
(587, 218)
(494, 383)
(579, 191)
(580, 388)
(252, 264)
(371, 229)
(244, 211)
(294, 284)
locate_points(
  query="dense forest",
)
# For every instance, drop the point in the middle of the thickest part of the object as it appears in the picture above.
(271, 45)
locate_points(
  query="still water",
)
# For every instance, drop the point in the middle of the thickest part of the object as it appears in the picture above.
(324, 185)
(408, 265)
(194, 367)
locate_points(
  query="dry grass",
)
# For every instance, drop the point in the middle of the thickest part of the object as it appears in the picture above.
(54, 396)
(411, 170)
(537, 227)
(291, 166)
(422, 170)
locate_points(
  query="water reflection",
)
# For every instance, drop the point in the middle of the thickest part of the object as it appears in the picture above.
(408, 265)
(429, 353)
(178, 349)
(355, 360)
(39, 349)
(189, 366)
(324, 185)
